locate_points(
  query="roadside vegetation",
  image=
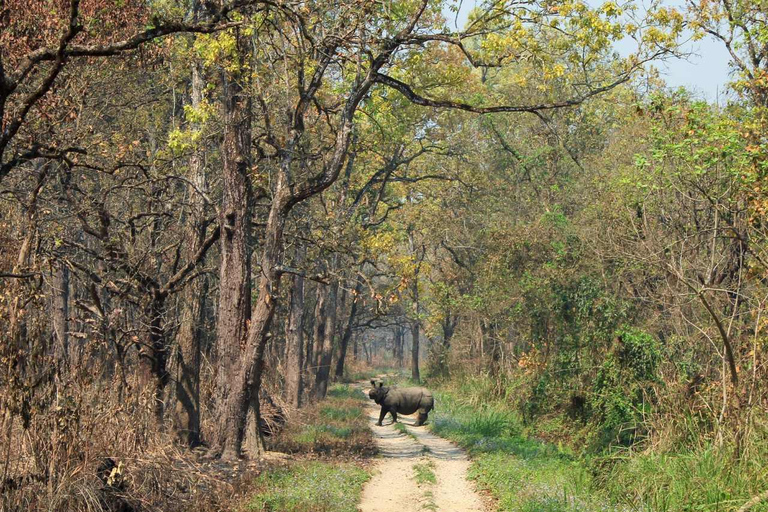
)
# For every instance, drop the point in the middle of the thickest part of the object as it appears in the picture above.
(524, 472)
(329, 444)
(336, 426)
(423, 473)
(309, 486)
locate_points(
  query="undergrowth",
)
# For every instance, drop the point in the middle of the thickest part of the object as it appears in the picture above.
(309, 486)
(525, 473)
(329, 443)
(336, 426)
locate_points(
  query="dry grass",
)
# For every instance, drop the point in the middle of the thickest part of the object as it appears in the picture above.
(87, 448)
(165, 479)
(335, 427)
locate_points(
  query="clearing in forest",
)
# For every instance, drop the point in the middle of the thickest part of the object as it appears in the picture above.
(417, 471)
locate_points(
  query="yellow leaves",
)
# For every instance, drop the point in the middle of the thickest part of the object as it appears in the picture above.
(377, 243)
(180, 140)
(219, 48)
(668, 16)
(200, 114)
(667, 25)
(611, 9)
(554, 71)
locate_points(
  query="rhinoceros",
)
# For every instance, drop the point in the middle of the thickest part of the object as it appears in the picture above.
(403, 401)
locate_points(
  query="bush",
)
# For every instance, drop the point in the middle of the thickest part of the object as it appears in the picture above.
(639, 353)
(621, 391)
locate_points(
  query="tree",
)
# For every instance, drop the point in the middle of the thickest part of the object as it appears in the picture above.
(29, 71)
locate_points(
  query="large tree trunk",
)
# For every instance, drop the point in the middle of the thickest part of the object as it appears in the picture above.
(186, 413)
(415, 375)
(246, 380)
(326, 353)
(449, 327)
(318, 330)
(294, 338)
(60, 313)
(235, 220)
(153, 357)
(60, 286)
(399, 345)
(415, 327)
(347, 332)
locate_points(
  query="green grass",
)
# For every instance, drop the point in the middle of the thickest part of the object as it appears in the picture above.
(400, 427)
(340, 413)
(315, 433)
(429, 502)
(309, 487)
(335, 429)
(345, 391)
(525, 474)
(423, 473)
(703, 480)
(336, 426)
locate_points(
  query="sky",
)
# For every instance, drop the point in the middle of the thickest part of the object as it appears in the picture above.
(705, 72)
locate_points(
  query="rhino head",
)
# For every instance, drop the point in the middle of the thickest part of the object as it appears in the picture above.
(378, 392)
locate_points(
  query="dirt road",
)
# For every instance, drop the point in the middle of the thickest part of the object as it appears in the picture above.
(417, 471)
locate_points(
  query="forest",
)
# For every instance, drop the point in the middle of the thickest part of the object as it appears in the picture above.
(219, 219)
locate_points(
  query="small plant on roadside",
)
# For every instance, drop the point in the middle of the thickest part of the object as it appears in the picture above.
(423, 473)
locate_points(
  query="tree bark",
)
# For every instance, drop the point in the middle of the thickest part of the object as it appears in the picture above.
(318, 329)
(235, 220)
(415, 374)
(186, 413)
(399, 345)
(246, 380)
(329, 333)
(294, 338)
(347, 332)
(415, 327)
(286, 195)
(153, 357)
(60, 313)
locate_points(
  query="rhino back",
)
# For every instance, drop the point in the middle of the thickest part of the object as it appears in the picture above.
(410, 400)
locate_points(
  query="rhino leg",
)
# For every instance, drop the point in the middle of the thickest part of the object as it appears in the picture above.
(394, 416)
(422, 418)
(382, 414)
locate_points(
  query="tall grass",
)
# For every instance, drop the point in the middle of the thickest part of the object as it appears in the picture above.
(706, 479)
(522, 473)
(525, 473)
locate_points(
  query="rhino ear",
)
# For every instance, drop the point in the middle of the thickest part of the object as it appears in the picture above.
(381, 384)
(373, 383)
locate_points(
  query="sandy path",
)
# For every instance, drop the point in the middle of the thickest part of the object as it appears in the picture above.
(393, 487)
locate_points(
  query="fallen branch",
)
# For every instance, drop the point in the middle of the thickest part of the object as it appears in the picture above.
(754, 501)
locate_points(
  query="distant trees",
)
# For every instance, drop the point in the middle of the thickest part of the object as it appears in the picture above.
(164, 166)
